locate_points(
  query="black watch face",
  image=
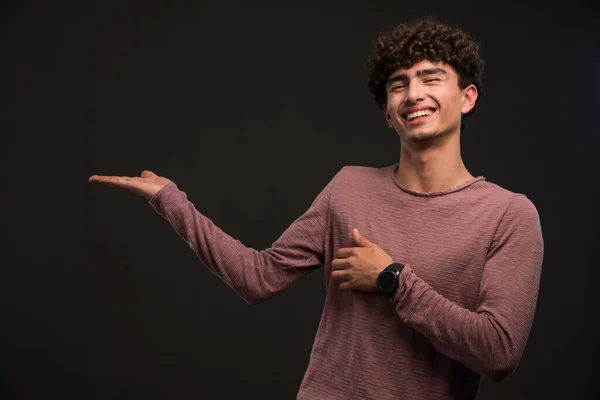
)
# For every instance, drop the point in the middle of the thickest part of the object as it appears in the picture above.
(387, 280)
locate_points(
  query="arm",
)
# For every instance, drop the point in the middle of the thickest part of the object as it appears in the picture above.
(491, 339)
(254, 275)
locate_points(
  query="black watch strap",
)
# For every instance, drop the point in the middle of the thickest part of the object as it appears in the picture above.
(396, 266)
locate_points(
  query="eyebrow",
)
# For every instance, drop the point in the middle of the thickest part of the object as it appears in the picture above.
(421, 72)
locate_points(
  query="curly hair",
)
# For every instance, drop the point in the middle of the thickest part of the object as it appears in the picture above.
(425, 39)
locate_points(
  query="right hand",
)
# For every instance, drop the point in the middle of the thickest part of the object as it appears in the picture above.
(147, 186)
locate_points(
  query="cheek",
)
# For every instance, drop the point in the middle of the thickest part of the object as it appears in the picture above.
(449, 106)
(390, 116)
(393, 108)
(389, 112)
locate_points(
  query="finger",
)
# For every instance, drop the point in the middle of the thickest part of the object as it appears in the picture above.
(125, 182)
(346, 285)
(340, 275)
(359, 239)
(107, 179)
(148, 174)
(340, 264)
(345, 252)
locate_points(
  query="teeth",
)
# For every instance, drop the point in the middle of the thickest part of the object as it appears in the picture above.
(416, 114)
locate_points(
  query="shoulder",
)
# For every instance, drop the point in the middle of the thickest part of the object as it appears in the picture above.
(506, 199)
(517, 213)
(520, 211)
(354, 181)
(494, 191)
(363, 174)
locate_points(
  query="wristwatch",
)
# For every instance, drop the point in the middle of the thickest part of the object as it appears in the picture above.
(388, 280)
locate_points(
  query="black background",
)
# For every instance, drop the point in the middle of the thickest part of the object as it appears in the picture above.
(251, 108)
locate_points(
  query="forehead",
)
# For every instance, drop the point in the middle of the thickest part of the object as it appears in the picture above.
(421, 65)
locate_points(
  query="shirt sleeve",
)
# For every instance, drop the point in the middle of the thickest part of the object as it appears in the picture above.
(255, 275)
(491, 339)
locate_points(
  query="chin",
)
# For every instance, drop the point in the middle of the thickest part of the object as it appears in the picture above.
(421, 136)
(423, 133)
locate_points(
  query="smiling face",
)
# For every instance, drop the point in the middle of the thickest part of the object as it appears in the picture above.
(425, 101)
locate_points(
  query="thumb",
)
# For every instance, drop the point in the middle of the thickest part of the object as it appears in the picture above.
(148, 174)
(360, 239)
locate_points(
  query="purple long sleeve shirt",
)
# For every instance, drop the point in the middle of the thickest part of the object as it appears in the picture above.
(467, 294)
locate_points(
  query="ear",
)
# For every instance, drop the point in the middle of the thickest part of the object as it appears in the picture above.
(388, 117)
(470, 95)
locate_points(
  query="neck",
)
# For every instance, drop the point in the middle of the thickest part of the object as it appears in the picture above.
(432, 165)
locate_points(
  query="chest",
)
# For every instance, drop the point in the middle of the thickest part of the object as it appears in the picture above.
(446, 245)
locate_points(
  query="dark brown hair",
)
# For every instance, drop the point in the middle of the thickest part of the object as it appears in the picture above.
(425, 39)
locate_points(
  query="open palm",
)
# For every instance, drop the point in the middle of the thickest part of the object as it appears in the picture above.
(146, 186)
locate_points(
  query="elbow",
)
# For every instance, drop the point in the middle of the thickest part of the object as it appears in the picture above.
(250, 292)
(252, 299)
(499, 375)
(254, 290)
(257, 292)
(503, 353)
(502, 367)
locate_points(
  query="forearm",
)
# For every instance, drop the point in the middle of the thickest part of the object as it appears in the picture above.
(483, 340)
(491, 337)
(252, 274)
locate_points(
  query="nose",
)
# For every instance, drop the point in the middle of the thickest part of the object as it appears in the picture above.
(414, 93)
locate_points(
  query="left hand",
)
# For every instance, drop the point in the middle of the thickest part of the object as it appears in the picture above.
(357, 268)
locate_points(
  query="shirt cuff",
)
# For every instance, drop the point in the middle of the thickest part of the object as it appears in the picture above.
(162, 196)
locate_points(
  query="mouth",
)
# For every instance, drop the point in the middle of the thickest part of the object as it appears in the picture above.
(418, 117)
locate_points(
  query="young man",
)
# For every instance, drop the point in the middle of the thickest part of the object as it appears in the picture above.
(439, 283)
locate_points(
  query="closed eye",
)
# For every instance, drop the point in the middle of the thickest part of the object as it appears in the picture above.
(397, 86)
(431, 80)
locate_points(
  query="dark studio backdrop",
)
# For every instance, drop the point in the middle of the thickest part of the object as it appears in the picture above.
(251, 108)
